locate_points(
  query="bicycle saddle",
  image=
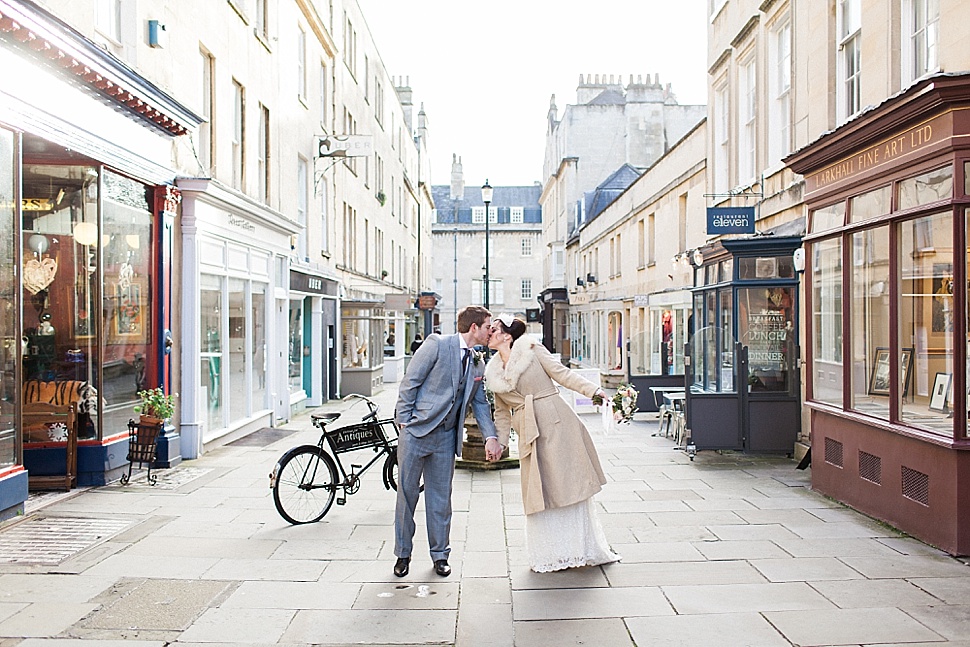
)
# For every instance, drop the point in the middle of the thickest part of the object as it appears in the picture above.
(325, 418)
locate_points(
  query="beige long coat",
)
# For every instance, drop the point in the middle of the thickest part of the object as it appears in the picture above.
(558, 462)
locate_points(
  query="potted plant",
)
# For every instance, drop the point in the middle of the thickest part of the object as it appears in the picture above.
(156, 407)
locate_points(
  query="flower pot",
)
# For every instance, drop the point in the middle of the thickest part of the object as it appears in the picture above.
(151, 421)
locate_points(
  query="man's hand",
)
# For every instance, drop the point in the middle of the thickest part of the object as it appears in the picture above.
(493, 449)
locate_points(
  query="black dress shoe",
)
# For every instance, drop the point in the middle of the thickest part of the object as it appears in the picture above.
(441, 567)
(401, 566)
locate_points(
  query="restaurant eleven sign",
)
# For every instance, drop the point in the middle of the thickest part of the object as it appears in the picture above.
(892, 150)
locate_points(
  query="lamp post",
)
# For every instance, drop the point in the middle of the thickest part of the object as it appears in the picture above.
(486, 198)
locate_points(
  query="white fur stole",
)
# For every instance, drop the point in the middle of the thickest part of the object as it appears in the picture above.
(502, 379)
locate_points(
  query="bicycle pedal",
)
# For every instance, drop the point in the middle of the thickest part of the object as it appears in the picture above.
(341, 500)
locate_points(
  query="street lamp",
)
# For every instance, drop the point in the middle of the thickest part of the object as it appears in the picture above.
(486, 198)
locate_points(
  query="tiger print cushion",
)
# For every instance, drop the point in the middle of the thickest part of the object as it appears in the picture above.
(62, 393)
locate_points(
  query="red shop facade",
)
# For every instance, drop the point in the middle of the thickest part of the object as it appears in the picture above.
(888, 199)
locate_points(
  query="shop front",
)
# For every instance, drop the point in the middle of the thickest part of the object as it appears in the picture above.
(313, 366)
(742, 388)
(86, 222)
(237, 317)
(364, 330)
(888, 200)
(659, 322)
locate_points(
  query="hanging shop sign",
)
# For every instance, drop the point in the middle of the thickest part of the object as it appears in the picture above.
(730, 220)
(346, 146)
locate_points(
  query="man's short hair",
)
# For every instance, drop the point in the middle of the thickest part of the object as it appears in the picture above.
(471, 315)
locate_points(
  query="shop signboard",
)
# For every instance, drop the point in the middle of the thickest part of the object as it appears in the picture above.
(730, 220)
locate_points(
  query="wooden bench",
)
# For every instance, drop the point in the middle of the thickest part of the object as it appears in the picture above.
(48, 423)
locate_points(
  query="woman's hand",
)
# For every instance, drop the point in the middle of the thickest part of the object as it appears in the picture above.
(493, 449)
(599, 397)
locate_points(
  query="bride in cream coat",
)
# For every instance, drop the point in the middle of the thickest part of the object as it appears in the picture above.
(559, 467)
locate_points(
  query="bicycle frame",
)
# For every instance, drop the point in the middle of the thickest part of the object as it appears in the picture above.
(355, 437)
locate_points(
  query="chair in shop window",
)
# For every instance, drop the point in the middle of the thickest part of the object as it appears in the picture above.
(52, 426)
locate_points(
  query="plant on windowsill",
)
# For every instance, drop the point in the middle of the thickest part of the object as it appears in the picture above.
(156, 407)
(381, 197)
(383, 274)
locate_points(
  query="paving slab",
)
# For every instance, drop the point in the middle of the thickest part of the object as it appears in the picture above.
(684, 573)
(744, 598)
(849, 627)
(805, 569)
(854, 594)
(572, 604)
(400, 595)
(952, 590)
(729, 550)
(748, 629)
(950, 621)
(373, 627)
(573, 633)
(908, 566)
(44, 619)
(240, 626)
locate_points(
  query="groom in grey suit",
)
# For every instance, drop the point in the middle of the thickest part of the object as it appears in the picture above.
(444, 376)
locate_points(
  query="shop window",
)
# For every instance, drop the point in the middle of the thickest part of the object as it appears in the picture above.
(8, 313)
(869, 205)
(295, 354)
(926, 323)
(87, 291)
(869, 322)
(238, 391)
(726, 361)
(766, 326)
(210, 322)
(659, 348)
(827, 322)
(125, 251)
(614, 334)
(766, 267)
(257, 324)
(926, 188)
(826, 218)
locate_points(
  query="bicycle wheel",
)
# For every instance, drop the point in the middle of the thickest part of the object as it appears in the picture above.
(391, 474)
(305, 486)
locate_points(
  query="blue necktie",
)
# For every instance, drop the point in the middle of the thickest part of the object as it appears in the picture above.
(464, 359)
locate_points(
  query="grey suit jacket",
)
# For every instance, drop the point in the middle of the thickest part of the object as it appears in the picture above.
(430, 387)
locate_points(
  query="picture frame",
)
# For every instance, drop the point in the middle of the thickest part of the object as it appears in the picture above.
(879, 376)
(941, 392)
(128, 318)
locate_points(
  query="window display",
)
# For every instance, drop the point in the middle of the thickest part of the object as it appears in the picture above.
(9, 303)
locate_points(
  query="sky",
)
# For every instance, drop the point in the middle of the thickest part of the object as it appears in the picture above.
(485, 71)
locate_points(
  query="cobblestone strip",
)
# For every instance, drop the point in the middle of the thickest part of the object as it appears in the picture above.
(51, 540)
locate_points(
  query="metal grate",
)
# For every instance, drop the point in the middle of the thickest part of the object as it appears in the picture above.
(916, 486)
(51, 540)
(833, 452)
(870, 467)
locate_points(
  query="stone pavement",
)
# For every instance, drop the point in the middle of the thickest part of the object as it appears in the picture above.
(725, 550)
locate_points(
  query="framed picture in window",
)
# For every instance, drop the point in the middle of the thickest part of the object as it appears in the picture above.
(128, 318)
(941, 391)
(879, 377)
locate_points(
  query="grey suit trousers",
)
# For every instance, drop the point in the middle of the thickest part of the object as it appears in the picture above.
(432, 456)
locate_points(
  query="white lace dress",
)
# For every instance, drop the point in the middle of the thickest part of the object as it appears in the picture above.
(567, 537)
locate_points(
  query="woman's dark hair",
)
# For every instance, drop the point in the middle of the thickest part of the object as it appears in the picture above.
(516, 329)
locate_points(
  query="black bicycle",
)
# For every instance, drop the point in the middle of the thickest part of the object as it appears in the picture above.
(305, 479)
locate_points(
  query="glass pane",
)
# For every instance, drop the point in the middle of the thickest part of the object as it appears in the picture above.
(295, 373)
(827, 322)
(697, 346)
(766, 267)
(726, 365)
(210, 316)
(61, 289)
(871, 204)
(355, 342)
(727, 267)
(766, 326)
(126, 257)
(926, 322)
(258, 327)
(830, 217)
(238, 399)
(377, 340)
(926, 188)
(869, 322)
(8, 303)
(966, 178)
(711, 342)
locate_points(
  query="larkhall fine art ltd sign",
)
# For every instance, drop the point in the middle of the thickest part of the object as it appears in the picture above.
(893, 150)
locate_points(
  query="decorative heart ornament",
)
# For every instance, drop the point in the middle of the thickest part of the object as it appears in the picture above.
(39, 274)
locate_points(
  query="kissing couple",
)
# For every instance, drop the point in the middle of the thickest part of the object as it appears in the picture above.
(560, 470)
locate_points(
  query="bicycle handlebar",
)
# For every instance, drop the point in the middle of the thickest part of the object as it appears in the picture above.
(370, 404)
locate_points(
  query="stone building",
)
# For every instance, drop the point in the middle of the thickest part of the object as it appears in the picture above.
(611, 124)
(514, 244)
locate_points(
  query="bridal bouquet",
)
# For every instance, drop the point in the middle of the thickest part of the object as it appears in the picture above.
(623, 405)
